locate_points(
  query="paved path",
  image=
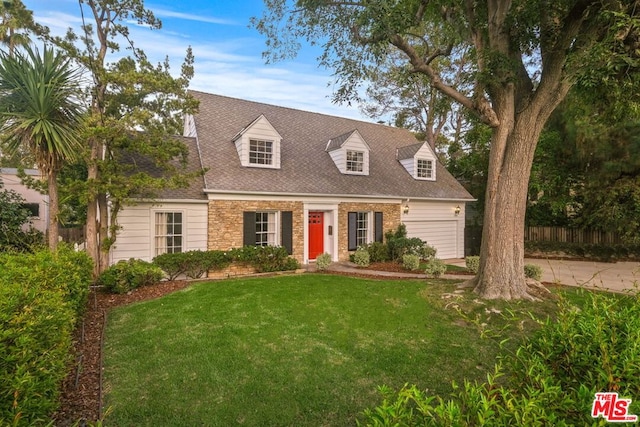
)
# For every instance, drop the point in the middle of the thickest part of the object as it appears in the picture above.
(619, 277)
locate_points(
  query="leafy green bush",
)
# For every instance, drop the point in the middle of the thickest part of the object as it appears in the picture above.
(435, 267)
(378, 252)
(273, 258)
(41, 297)
(323, 261)
(217, 260)
(410, 262)
(533, 271)
(551, 379)
(173, 264)
(361, 257)
(472, 263)
(398, 244)
(125, 276)
(264, 258)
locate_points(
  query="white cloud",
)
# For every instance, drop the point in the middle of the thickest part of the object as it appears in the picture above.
(226, 66)
(164, 13)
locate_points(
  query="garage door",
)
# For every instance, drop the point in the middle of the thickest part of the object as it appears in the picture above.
(442, 235)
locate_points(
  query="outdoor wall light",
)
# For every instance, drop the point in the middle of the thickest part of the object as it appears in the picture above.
(405, 209)
(456, 211)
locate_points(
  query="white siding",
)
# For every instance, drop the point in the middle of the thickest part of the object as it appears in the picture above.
(409, 165)
(261, 129)
(189, 126)
(136, 236)
(11, 181)
(353, 143)
(437, 224)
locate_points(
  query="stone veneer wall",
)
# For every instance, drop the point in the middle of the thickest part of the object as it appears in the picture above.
(225, 223)
(390, 221)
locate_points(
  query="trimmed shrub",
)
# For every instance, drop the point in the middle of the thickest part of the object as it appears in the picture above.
(125, 276)
(361, 257)
(435, 267)
(533, 271)
(264, 258)
(41, 297)
(472, 263)
(323, 261)
(410, 262)
(378, 252)
(173, 264)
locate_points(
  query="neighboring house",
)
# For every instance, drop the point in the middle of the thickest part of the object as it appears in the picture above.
(310, 182)
(35, 202)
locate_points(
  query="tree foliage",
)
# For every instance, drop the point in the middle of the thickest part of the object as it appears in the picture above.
(39, 112)
(136, 109)
(526, 56)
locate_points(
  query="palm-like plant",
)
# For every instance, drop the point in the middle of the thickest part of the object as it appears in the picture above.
(39, 111)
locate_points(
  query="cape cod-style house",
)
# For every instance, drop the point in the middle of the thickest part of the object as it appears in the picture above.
(310, 182)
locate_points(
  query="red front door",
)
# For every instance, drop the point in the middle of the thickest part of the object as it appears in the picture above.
(316, 234)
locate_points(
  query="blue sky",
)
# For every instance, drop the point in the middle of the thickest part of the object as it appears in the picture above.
(228, 53)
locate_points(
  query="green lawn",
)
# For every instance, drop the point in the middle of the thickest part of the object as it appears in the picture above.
(294, 350)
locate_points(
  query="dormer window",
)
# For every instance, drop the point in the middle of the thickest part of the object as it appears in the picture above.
(355, 161)
(424, 168)
(258, 145)
(350, 153)
(260, 152)
(418, 160)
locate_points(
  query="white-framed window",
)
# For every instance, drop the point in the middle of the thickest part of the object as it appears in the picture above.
(424, 168)
(260, 152)
(355, 161)
(266, 229)
(362, 228)
(169, 232)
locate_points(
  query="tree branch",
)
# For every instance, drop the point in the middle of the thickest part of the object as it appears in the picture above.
(479, 105)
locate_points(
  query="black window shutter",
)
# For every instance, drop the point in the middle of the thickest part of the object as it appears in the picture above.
(249, 228)
(287, 230)
(377, 230)
(352, 218)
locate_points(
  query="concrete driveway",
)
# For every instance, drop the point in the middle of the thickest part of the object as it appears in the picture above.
(619, 276)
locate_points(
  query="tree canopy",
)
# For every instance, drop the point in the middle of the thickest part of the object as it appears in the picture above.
(526, 54)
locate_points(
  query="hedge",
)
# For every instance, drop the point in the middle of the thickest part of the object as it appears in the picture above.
(41, 297)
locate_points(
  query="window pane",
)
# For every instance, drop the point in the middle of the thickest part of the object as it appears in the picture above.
(168, 232)
(362, 228)
(266, 228)
(260, 152)
(355, 161)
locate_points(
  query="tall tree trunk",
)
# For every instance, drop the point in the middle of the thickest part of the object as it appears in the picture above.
(92, 238)
(53, 209)
(501, 272)
(103, 231)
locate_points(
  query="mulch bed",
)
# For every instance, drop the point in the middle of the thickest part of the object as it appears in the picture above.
(80, 399)
(81, 392)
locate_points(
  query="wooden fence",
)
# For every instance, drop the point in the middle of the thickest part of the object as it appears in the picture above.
(72, 235)
(570, 235)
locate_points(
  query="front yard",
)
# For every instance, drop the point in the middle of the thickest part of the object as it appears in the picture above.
(296, 350)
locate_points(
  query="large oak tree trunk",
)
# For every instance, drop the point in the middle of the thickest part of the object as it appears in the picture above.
(501, 272)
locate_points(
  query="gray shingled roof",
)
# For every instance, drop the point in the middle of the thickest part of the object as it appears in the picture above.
(306, 168)
(195, 190)
(337, 142)
(409, 151)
